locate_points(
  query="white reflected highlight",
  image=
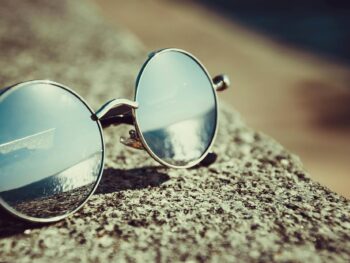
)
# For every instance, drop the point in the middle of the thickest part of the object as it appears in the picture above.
(40, 140)
(80, 174)
(184, 140)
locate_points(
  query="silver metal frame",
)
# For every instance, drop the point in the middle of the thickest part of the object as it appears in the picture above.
(218, 83)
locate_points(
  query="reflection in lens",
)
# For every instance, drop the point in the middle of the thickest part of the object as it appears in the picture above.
(177, 111)
(50, 150)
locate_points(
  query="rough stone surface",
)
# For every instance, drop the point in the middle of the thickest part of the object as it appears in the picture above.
(256, 204)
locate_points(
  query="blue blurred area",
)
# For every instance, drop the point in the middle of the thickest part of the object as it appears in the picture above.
(321, 26)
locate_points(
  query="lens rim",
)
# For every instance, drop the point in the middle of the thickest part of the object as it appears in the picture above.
(14, 212)
(152, 56)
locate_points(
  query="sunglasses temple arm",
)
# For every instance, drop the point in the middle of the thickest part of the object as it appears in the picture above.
(115, 112)
(221, 83)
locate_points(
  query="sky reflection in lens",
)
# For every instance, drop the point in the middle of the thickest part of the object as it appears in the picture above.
(50, 148)
(177, 108)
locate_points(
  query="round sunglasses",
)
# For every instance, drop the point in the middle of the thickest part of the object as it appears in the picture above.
(51, 141)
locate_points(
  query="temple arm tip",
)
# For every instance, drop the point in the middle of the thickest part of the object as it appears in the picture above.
(209, 159)
(221, 82)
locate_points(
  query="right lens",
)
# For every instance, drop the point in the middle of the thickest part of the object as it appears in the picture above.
(51, 151)
(177, 113)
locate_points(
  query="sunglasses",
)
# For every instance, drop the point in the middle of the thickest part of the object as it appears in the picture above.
(51, 141)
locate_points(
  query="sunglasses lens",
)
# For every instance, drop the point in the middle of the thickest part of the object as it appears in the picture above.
(51, 151)
(177, 112)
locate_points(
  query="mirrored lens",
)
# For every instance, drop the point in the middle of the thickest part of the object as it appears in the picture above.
(177, 112)
(51, 151)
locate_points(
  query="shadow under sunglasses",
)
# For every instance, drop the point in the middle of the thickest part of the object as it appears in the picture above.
(113, 180)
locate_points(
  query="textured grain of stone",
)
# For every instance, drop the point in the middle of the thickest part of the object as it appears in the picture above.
(256, 204)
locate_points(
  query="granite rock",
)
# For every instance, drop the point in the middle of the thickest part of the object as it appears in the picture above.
(255, 204)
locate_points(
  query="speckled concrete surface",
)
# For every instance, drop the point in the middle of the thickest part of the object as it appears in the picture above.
(256, 204)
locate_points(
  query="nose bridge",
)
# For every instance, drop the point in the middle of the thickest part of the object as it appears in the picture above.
(115, 107)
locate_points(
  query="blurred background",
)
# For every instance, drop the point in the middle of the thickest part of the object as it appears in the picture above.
(289, 64)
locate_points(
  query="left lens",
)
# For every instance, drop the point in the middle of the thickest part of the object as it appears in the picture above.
(51, 151)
